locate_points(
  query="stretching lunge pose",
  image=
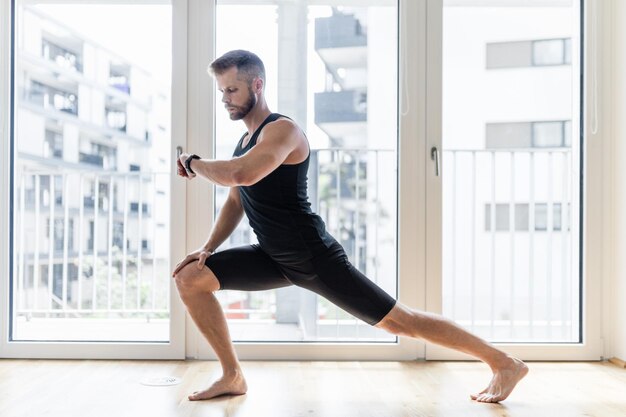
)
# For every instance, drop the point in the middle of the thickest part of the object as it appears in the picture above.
(267, 177)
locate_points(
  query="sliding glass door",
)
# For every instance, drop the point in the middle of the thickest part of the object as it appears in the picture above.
(337, 69)
(506, 200)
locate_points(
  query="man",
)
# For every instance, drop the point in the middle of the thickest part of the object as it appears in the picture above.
(267, 180)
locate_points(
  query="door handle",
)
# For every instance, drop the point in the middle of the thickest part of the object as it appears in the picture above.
(434, 155)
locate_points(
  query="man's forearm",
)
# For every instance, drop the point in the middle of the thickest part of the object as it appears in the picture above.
(226, 173)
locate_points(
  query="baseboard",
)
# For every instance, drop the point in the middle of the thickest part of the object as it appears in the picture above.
(618, 362)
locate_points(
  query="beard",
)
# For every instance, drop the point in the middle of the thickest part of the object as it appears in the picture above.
(242, 111)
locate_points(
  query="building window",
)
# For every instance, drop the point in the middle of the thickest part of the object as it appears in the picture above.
(541, 217)
(91, 235)
(134, 207)
(61, 56)
(50, 97)
(119, 77)
(118, 234)
(59, 233)
(537, 53)
(97, 154)
(522, 219)
(115, 112)
(520, 135)
(54, 144)
(551, 52)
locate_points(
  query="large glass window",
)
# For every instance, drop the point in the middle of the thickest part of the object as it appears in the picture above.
(91, 234)
(333, 69)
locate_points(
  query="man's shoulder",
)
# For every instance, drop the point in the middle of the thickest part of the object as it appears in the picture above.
(282, 127)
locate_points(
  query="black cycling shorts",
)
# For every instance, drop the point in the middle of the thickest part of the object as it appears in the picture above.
(329, 274)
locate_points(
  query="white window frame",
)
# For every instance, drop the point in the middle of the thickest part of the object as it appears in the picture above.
(419, 211)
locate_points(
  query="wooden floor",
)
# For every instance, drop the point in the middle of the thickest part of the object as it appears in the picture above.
(305, 389)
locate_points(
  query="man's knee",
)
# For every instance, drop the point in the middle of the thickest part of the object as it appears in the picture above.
(190, 279)
(398, 320)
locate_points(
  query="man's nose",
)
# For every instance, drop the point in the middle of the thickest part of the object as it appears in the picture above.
(224, 99)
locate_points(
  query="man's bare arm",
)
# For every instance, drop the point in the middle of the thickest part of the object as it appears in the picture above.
(279, 139)
(229, 217)
(227, 220)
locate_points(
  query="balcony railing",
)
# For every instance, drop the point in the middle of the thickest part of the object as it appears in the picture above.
(101, 277)
(509, 253)
(98, 275)
(339, 31)
(500, 279)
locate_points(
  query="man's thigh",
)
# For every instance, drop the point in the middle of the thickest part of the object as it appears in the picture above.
(246, 268)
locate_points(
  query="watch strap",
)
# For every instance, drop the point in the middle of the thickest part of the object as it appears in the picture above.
(188, 162)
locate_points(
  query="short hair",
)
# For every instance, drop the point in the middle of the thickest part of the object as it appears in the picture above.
(247, 63)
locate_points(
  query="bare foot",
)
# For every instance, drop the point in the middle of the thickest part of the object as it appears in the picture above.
(227, 385)
(503, 382)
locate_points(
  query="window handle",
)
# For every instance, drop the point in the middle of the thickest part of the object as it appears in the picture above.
(179, 151)
(434, 155)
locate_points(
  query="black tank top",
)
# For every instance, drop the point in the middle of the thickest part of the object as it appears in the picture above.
(279, 211)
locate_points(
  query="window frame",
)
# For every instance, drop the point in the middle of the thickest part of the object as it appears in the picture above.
(175, 348)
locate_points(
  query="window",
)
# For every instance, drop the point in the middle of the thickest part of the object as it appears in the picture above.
(549, 52)
(519, 54)
(54, 144)
(548, 134)
(52, 98)
(78, 66)
(62, 57)
(519, 135)
(521, 217)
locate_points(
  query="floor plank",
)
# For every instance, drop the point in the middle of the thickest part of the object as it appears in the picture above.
(305, 389)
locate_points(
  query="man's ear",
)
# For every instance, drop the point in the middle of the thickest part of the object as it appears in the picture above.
(258, 85)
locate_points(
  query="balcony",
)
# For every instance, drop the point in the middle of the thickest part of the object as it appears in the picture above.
(342, 113)
(341, 41)
(62, 57)
(87, 158)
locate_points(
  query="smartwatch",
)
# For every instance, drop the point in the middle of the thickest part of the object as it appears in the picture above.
(188, 162)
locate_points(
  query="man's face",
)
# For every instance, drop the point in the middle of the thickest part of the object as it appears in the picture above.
(237, 94)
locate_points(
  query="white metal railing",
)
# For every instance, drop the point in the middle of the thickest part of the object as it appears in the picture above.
(118, 274)
(534, 177)
(97, 273)
(116, 264)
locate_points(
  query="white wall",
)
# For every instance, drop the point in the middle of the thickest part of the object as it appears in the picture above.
(617, 316)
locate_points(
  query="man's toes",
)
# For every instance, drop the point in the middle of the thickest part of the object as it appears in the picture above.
(475, 396)
(484, 398)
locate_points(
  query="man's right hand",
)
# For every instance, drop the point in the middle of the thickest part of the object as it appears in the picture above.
(199, 255)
